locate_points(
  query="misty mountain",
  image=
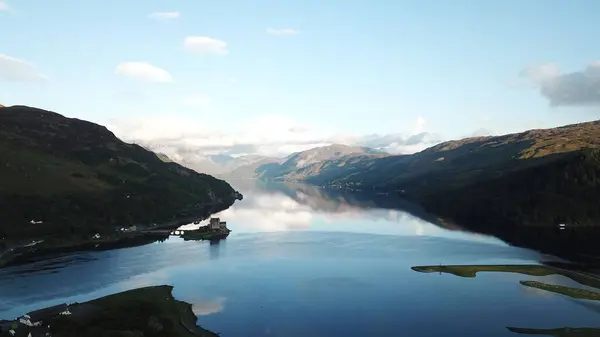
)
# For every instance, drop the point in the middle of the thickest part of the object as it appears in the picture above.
(300, 165)
(213, 164)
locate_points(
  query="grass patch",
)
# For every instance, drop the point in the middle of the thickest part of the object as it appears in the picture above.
(576, 293)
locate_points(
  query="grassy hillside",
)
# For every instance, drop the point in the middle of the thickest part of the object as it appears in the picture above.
(78, 178)
(464, 161)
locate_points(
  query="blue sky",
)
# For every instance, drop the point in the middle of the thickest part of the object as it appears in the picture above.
(282, 75)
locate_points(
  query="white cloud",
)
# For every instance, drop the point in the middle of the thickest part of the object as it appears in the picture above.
(197, 100)
(16, 70)
(3, 6)
(577, 88)
(189, 140)
(203, 44)
(420, 124)
(143, 71)
(282, 31)
(164, 15)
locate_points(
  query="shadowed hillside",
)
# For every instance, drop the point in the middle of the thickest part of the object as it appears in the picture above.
(452, 163)
(570, 183)
(78, 178)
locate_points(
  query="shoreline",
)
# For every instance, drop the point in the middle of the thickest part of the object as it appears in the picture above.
(42, 251)
(40, 248)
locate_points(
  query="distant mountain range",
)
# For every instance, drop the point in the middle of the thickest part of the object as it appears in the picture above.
(448, 164)
(256, 166)
(217, 164)
(534, 178)
(305, 164)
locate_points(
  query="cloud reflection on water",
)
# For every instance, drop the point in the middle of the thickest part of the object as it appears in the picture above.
(208, 307)
(272, 207)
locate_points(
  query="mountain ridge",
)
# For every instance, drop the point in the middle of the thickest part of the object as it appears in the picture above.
(300, 165)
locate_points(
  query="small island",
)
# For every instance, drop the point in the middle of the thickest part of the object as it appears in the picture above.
(215, 230)
(148, 311)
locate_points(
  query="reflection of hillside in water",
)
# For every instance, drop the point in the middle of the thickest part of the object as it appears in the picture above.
(269, 206)
(332, 201)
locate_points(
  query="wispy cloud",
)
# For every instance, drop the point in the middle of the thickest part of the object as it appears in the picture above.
(205, 45)
(282, 31)
(3, 6)
(143, 71)
(190, 139)
(164, 15)
(13, 69)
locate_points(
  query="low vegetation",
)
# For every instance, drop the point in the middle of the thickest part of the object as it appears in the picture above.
(577, 293)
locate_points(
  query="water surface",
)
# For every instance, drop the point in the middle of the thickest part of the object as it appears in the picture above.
(304, 262)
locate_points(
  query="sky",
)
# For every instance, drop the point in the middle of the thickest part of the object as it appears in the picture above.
(271, 77)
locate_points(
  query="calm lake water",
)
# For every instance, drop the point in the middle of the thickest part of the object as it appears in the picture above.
(302, 262)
